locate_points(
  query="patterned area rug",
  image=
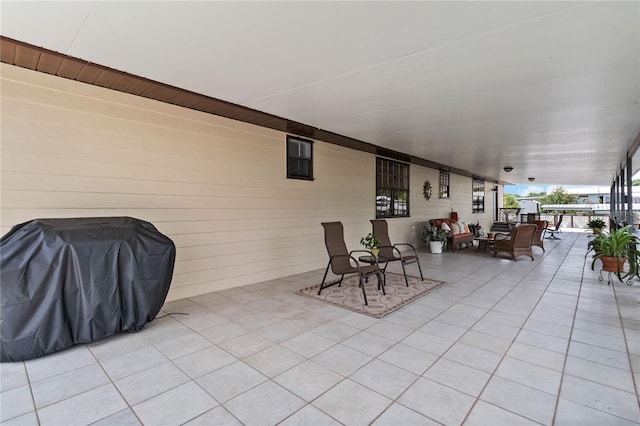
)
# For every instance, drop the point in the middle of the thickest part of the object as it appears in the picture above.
(349, 295)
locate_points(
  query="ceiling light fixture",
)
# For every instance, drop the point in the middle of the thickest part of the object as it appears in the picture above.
(531, 179)
(507, 168)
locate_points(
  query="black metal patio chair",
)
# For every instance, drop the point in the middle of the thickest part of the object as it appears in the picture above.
(393, 253)
(342, 262)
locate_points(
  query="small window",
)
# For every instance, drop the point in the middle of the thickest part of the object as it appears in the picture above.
(477, 196)
(299, 158)
(444, 185)
(392, 188)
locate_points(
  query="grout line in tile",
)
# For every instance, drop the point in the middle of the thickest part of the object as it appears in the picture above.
(515, 337)
(636, 385)
(503, 272)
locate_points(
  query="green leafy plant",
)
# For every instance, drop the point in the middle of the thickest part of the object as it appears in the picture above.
(596, 223)
(476, 229)
(618, 243)
(370, 241)
(434, 234)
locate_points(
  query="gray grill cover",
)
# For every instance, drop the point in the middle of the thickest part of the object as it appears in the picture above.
(69, 281)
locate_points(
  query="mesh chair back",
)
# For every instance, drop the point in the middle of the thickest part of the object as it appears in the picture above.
(334, 241)
(381, 231)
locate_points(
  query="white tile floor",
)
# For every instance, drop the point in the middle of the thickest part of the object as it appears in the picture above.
(505, 343)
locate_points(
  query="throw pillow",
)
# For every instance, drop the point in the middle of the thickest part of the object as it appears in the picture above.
(455, 229)
(463, 227)
(472, 229)
(445, 227)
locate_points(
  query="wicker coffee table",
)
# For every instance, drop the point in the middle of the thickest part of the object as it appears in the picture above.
(484, 243)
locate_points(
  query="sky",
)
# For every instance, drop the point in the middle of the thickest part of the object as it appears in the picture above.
(523, 190)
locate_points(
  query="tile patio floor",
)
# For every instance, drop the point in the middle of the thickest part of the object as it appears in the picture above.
(505, 343)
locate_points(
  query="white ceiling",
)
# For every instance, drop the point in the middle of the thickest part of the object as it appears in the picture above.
(549, 88)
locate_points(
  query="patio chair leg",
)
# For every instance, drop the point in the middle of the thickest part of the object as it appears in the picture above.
(326, 271)
(420, 269)
(382, 281)
(364, 294)
(406, 280)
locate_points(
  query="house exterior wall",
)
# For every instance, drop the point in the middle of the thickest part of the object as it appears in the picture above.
(216, 187)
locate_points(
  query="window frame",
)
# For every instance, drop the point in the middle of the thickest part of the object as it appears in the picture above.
(445, 185)
(291, 157)
(477, 196)
(392, 183)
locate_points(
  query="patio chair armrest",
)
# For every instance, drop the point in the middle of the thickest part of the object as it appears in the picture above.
(352, 260)
(360, 251)
(395, 247)
(348, 256)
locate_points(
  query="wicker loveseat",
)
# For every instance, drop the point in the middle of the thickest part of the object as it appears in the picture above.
(456, 237)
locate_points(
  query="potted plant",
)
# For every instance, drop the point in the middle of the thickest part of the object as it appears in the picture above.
(436, 238)
(596, 224)
(371, 243)
(614, 248)
(477, 230)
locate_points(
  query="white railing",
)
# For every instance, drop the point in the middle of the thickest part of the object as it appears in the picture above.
(573, 220)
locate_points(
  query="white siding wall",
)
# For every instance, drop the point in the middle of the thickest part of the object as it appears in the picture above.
(215, 186)
(459, 201)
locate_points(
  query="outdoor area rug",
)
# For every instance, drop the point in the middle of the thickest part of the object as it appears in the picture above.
(349, 295)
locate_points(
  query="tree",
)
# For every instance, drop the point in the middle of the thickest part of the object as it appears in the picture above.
(536, 194)
(510, 202)
(559, 196)
(635, 182)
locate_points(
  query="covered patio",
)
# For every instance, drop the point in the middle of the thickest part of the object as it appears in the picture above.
(187, 115)
(505, 342)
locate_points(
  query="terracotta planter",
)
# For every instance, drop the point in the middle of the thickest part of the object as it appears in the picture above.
(596, 230)
(610, 264)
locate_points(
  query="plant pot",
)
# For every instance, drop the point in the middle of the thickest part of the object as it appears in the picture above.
(610, 264)
(596, 230)
(375, 252)
(435, 246)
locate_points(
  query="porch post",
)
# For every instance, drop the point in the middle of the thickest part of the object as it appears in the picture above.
(629, 192)
(612, 202)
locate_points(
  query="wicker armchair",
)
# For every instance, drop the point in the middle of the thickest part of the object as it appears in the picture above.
(517, 243)
(537, 238)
